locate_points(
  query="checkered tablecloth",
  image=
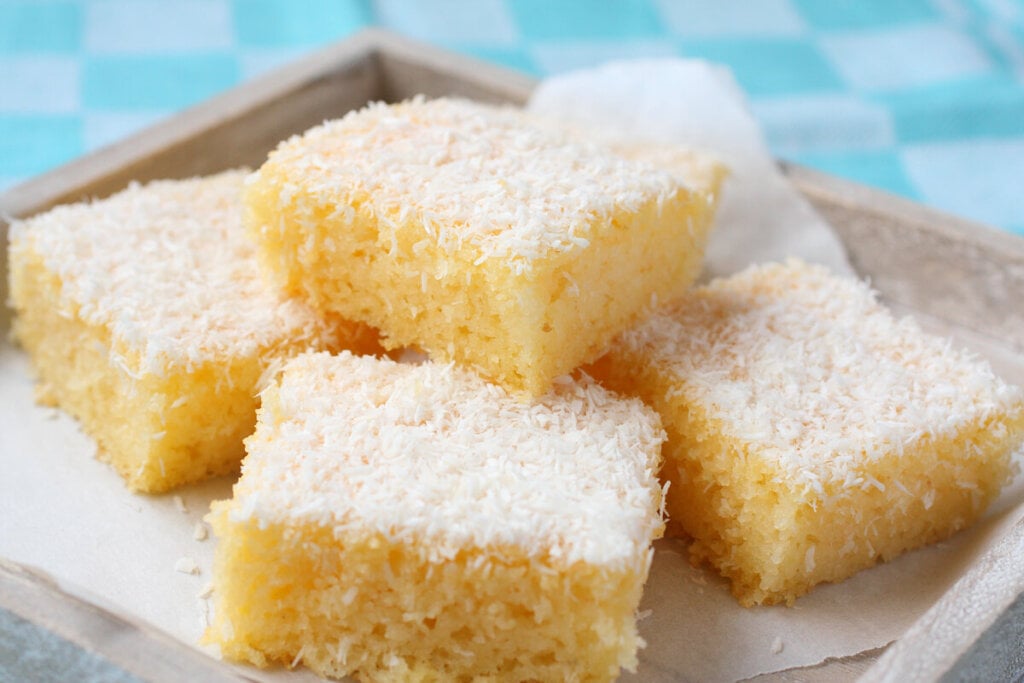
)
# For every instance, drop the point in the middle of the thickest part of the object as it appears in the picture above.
(924, 98)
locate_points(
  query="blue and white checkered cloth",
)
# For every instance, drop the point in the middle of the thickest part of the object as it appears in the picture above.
(924, 98)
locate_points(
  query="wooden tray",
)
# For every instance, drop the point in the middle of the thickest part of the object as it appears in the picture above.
(962, 278)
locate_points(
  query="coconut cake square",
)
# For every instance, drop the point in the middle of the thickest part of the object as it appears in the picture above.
(478, 234)
(811, 432)
(146, 316)
(415, 522)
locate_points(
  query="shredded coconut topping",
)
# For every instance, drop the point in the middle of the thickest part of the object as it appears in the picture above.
(435, 455)
(167, 267)
(816, 371)
(470, 174)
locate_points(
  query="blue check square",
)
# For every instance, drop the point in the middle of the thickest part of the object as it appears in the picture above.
(771, 66)
(32, 26)
(575, 19)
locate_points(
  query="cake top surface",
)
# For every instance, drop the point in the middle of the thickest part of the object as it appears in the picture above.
(169, 269)
(696, 169)
(816, 371)
(488, 177)
(433, 454)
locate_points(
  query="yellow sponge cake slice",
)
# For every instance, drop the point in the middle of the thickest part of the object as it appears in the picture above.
(476, 234)
(811, 433)
(146, 317)
(414, 522)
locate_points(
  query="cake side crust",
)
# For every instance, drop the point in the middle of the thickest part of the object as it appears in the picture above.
(383, 610)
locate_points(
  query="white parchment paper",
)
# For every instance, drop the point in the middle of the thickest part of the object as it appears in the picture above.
(70, 515)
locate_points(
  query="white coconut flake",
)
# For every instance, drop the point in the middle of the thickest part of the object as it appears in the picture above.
(204, 615)
(186, 565)
(433, 454)
(179, 504)
(200, 532)
(778, 646)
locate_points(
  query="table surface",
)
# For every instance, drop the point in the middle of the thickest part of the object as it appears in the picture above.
(923, 98)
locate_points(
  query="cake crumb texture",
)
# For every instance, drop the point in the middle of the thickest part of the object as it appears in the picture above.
(414, 522)
(477, 235)
(811, 433)
(146, 317)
